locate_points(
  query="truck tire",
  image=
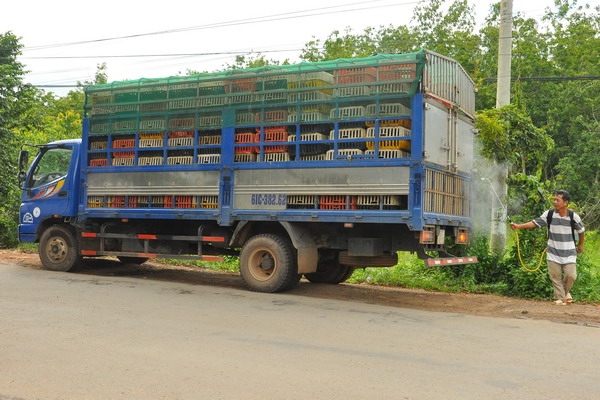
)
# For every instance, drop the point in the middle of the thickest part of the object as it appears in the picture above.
(330, 271)
(58, 250)
(268, 264)
(332, 275)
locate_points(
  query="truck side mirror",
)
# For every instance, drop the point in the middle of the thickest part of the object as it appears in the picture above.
(23, 161)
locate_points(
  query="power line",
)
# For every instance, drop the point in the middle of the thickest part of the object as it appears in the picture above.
(268, 18)
(548, 78)
(156, 55)
(485, 80)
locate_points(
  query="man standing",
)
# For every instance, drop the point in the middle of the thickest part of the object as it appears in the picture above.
(562, 250)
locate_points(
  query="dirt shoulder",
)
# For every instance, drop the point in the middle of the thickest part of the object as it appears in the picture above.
(462, 303)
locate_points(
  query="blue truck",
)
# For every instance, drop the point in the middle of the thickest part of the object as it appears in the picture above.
(313, 169)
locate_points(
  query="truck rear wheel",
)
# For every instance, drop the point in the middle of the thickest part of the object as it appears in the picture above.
(332, 274)
(329, 270)
(268, 264)
(58, 249)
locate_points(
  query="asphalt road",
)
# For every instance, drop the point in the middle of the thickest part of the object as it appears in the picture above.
(76, 336)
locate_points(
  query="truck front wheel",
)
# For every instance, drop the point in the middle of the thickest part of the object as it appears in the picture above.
(268, 264)
(58, 249)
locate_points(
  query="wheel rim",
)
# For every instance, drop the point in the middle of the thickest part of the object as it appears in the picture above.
(262, 264)
(56, 250)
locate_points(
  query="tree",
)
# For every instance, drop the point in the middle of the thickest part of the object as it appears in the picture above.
(16, 101)
(447, 32)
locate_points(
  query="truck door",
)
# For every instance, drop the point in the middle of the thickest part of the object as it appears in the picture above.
(47, 190)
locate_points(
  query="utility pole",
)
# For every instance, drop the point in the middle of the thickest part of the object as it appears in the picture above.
(498, 230)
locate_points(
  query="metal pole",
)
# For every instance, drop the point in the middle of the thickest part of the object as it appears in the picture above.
(498, 232)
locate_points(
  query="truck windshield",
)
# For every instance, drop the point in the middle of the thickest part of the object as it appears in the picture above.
(52, 165)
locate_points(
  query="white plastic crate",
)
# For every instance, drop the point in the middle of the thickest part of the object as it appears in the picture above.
(150, 160)
(314, 157)
(244, 157)
(307, 117)
(209, 159)
(348, 133)
(301, 199)
(212, 101)
(313, 95)
(99, 127)
(388, 109)
(210, 140)
(209, 201)
(389, 131)
(210, 120)
(127, 125)
(122, 161)
(176, 160)
(378, 200)
(125, 108)
(183, 104)
(348, 112)
(352, 91)
(241, 98)
(244, 118)
(304, 137)
(393, 88)
(272, 96)
(99, 145)
(95, 201)
(100, 110)
(389, 153)
(180, 141)
(152, 124)
(342, 153)
(151, 142)
(275, 157)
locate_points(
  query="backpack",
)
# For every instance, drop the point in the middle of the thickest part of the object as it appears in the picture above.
(549, 221)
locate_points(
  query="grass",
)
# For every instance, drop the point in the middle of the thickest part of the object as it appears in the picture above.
(412, 273)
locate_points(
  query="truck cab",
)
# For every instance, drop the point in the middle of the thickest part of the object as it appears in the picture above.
(50, 187)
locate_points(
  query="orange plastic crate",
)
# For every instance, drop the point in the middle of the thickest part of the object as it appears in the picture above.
(355, 75)
(123, 143)
(181, 134)
(242, 138)
(276, 134)
(116, 201)
(99, 162)
(123, 154)
(397, 72)
(338, 202)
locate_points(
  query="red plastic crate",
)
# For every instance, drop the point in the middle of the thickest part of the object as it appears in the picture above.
(123, 154)
(243, 138)
(180, 202)
(181, 134)
(276, 134)
(397, 72)
(99, 162)
(240, 85)
(338, 202)
(123, 143)
(355, 75)
(116, 201)
(132, 201)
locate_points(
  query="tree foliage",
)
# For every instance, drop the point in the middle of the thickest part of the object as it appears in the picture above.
(16, 109)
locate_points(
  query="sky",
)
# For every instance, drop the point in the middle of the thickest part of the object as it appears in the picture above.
(65, 40)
